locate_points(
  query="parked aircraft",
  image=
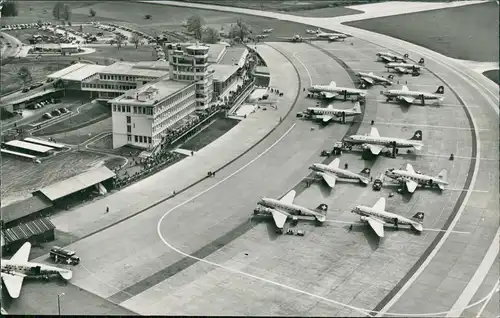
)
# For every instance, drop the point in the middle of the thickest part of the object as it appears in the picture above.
(261, 36)
(326, 114)
(332, 90)
(330, 173)
(329, 35)
(407, 96)
(296, 38)
(377, 217)
(267, 30)
(313, 31)
(375, 143)
(405, 68)
(411, 179)
(372, 79)
(389, 57)
(15, 269)
(285, 208)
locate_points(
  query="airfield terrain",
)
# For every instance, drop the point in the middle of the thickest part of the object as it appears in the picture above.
(200, 252)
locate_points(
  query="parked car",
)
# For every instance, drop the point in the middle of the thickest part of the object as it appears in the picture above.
(25, 90)
(64, 110)
(47, 116)
(56, 112)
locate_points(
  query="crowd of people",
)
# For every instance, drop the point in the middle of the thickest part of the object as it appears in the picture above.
(148, 166)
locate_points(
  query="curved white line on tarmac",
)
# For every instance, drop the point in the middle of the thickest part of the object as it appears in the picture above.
(307, 70)
(493, 291)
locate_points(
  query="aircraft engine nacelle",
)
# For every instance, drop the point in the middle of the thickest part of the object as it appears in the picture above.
(363, 218)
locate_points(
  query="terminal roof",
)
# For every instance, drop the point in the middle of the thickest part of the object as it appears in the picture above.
(165, 89)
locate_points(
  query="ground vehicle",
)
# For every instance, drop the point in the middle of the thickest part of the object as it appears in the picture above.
(47, 116)
(56, 112)
(35, 85)
(25, 90)
(59, 254)
(377, 184)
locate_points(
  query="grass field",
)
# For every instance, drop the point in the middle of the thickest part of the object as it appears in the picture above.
(492, 75)
(171, 18)
(468, 33)
(88, 113)
(127, 53)
(105, 143)
(79, 136)
(21, 177)
(10, 80)
(218, 128)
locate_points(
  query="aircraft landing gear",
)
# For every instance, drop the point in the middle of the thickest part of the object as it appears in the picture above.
(396, 222)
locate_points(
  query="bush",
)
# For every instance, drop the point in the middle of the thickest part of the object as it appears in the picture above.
(9, 9)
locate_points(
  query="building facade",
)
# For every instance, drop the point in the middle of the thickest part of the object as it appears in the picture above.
(189, 64)
(118, 78)
(142, 117)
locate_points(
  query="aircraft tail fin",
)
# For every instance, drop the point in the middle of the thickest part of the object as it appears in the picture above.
(417, 135)
(365, 172)
(390, 77)
(421, 61)
(440, 90)
(418, 217)
(322, 209)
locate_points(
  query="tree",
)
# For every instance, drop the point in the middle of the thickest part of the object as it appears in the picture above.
(136, 39)
(118, 40)
(240, 30)
(147, 17)
(211, 35)
(9, 9)
(92, 12)
(25, 74)
(195, 25)
(57, 11)
(66, 13)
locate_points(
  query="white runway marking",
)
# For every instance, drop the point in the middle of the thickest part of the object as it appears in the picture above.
(462, 189)
(305, 67)
(493, 291)
(456, 157)
(422, 125)
(440, 230)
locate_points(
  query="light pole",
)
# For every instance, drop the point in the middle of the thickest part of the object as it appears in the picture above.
(59, 303)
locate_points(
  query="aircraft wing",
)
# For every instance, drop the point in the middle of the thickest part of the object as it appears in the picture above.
(330, 94)
(326, 118)
(375, 149)
(279, 218)
(330, 180)
(385, 58)
(13, 283)
(377, 225)
(22, 254)
(411, 186)
(408, 99)
(368, 80)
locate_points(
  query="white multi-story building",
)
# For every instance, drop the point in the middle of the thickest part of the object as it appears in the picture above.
(142, 117)
(189, 63)
(120, 77)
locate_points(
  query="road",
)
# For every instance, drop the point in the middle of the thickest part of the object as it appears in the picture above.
(15, 45)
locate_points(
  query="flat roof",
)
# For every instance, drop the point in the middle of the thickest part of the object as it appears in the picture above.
(165, 88)
(67, 70)
(127, 68)
(15, 153)
(44, 142)
(262, 69)
(215, 52)
(223, 72)
(79, 182)
(29, 146)
(24, 208)
(83, 72)
(159, 65)
(234, 55)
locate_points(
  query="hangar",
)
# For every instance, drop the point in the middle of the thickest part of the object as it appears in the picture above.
(74, 75)
(78, 187)
(25, 210)
(35, 231)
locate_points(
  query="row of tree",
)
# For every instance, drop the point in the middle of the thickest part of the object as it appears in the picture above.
(196, 26)
(9, 8)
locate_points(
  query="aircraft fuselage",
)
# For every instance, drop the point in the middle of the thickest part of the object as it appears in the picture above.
(289, 208)
(378, 79)
(383, 141)
(339, 90)
(29, 269)
(421, 179)
(340, 173)
(331, 112)
(401, 93)
(366, 211)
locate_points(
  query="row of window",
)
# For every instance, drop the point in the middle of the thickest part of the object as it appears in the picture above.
(160, 127)
(137, 109)
(189, 69)
(139, 139)
(165, 112)
(109, 94)
(125, 78)
(172, 101)
(121, 87)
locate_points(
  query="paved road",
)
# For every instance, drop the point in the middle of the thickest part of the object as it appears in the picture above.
(15, 45)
